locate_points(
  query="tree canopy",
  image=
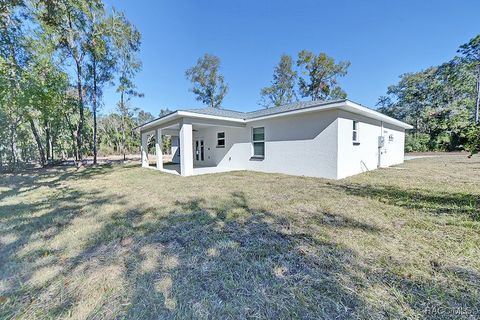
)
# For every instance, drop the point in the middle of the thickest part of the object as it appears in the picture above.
(56, 57)
(282, 89)
(319, 76)
(439, 102)
(209, 85)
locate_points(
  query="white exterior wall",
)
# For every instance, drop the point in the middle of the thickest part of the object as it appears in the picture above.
(354, 159)
(298, 145)
(317, 144)
(221, 156)
(393, 151)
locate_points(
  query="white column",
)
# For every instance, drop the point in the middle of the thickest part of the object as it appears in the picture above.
(144, 149)
(158, 147)
(186, 149)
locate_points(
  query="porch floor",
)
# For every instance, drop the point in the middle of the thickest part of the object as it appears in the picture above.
(197, 170)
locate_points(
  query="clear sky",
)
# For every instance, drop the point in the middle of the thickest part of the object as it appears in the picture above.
(382, 39)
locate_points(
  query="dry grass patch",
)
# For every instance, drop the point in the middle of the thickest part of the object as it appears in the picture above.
(123, 242)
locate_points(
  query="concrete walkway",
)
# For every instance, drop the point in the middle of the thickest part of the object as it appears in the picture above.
(406, 158)
(197, 170)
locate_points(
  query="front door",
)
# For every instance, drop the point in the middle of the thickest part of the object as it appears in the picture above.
(199, 150)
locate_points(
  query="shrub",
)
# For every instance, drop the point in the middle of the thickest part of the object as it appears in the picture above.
(418, 143)
(473, 139)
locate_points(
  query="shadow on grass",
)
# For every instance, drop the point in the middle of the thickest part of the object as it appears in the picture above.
(232, 261)
(19, 183)
(29, 224)
(428, 201)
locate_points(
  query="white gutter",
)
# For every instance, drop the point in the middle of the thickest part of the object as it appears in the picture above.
(207, 116)
(181, 114)
(155, 122)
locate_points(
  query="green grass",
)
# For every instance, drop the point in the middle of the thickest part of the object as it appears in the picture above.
(124, 242)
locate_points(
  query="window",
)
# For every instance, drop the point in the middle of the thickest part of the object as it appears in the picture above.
(220, 139)
(355, 132)
(258, 139)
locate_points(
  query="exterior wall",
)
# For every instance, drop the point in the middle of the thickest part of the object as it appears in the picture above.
(393, 151)
(317, 144)
(298, 145)
(215, 156)
(365, 156)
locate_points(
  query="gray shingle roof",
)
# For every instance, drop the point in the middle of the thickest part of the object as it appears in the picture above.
(218, 112)
(261, 112)
(276, 110)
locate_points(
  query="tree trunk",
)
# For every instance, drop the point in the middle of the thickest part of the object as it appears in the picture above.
(53, 141)
(124, 140)
(477, 106)
(73, 136)
(13, 145)
(48, 140)
(38, 140)
(94, 110)
(416, 127)
(80, 107)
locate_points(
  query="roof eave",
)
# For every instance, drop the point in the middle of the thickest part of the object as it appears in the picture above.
(184, 114)
(358, 108)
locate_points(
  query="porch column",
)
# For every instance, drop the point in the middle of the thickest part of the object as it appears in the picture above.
(186, 149)
(158, 147)
(144, 149)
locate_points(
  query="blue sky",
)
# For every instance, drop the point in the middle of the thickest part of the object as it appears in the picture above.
(382, 39)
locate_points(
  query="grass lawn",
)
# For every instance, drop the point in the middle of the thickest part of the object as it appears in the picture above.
(121, 241)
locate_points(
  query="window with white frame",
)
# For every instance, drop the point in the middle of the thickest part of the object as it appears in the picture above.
(220, 139)
(355, 132)
(258, 140)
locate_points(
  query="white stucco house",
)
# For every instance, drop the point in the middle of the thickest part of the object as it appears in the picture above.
(328, 139)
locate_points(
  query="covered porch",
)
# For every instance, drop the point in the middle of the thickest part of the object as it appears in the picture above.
(190, 155)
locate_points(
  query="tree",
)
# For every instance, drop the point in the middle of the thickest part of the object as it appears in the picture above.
(13, 57)
(414, 92)
(68, 22)
(164, 112)
(208, 84)
(320, 76)
(471, 51)
(101, 62)
(437, 102)
(144, 117)
(45, 45)
(282, 89)
(126, 39)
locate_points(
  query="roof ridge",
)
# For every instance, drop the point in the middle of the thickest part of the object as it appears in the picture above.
(224, 109)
